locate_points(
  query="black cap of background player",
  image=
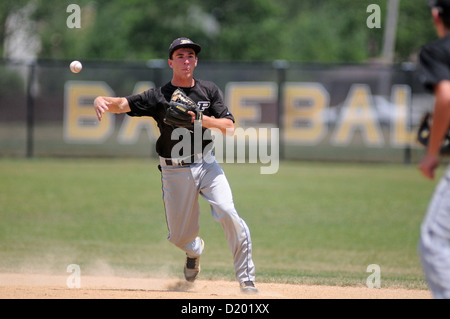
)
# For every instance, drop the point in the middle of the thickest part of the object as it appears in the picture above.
(442, 5)
(183, 43)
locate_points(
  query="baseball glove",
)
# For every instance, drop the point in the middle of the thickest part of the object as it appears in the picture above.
(423, 134)
(177, 113)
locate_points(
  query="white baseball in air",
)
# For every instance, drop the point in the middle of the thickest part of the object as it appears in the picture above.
(76, 66)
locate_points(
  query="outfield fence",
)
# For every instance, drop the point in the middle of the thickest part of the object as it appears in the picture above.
(332, 112)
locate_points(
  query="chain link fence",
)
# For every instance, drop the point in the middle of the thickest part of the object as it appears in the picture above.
(330, 112)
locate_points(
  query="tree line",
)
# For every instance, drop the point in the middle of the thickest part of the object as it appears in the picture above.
(247, 30)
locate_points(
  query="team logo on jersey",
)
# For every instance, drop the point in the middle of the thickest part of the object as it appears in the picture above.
(203, 105)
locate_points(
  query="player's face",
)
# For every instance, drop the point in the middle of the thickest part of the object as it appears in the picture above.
(183, 61)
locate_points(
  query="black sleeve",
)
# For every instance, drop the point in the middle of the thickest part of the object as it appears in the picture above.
(142, 104)
(433, 66)
(218, 107)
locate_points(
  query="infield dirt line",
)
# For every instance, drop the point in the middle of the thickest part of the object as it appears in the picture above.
(42, 286)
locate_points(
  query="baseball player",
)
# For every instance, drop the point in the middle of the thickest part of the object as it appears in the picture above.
(435, 229)
(185, 176)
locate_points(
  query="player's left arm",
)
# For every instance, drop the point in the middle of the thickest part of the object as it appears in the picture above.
(440, 126)
(224, 125)
(221, 119)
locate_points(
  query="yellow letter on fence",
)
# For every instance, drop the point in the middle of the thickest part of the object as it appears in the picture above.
(305, 104)
(244, 99)
(358, 114)
(132, 126)
(80, 121)
(401, 133)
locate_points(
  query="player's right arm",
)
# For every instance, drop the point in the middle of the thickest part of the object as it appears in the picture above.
(104, 104)
(441, 123)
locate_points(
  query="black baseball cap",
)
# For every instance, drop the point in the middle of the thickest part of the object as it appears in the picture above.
(183, 43)
(440, 4)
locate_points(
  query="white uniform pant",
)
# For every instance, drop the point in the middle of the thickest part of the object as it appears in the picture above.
(434, 245)
(181, 186)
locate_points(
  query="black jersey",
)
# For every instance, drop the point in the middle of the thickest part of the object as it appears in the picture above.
(154, 103)
(435, 62)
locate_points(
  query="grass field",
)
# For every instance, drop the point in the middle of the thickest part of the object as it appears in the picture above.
(311, 223)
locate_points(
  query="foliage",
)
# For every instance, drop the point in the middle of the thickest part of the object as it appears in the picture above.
(264, 30)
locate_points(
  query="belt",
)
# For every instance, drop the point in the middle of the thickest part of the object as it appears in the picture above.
(186, 161)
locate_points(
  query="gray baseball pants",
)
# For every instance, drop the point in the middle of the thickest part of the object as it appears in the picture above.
(181, 186)
(434, 244)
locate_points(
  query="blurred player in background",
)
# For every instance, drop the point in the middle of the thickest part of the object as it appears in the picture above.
(435, 228)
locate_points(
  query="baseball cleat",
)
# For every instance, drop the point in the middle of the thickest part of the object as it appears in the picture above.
(248, 287)
(192, 267)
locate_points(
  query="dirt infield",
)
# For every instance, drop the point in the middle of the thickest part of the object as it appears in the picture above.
(34, 286)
